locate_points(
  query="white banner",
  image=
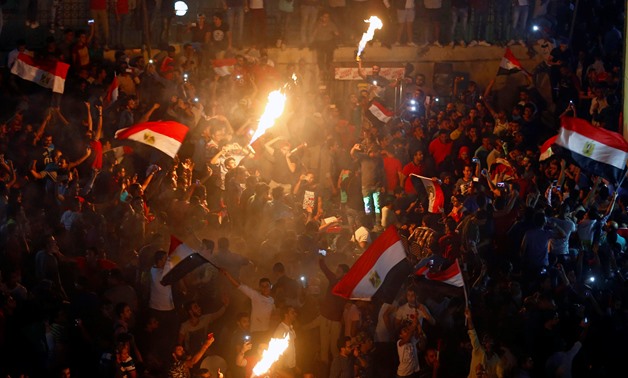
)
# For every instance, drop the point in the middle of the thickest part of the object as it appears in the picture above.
(351, 73)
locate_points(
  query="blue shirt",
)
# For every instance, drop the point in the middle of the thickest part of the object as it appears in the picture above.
(535, 247)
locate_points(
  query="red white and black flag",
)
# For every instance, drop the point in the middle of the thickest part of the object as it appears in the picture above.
(430, 189)
(509, 64)
(378, 114)
(47, 74)
(546, 148)
(182, 259)
(451, 276)
(381, 267)
(165, 136)
(594, 149)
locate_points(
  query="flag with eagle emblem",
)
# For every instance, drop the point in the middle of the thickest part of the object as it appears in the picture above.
(165, 136)
(381, 267)
(594, 149)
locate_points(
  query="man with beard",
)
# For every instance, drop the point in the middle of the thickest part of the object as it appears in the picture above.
(193, 331)
(180, 367)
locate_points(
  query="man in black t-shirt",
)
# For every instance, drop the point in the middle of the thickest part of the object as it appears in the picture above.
(219, 36)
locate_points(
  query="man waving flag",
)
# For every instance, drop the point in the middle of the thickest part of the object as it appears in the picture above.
(430, 189)
(381, 267)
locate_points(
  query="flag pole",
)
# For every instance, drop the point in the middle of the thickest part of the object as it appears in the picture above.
(464, 286)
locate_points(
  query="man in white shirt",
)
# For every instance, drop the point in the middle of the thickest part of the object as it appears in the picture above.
(407, 351)
(288, 362)
(351, 318)
(20, 48)
(560, 246)
(160, 301)
(412, 310)
(262, 305)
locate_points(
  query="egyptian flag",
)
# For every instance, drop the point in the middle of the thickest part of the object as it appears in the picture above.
(451, 276)
(378, 114)
(381, 269)
(112, 92)
(47, 74)
(165, 136)
(430, 189)
(594, 149)
(223, 67)
(502, 170)
(546, 148)
(509, 64)
(181, 260)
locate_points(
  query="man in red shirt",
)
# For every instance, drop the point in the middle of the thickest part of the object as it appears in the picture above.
(94, 137)
(392, 170)
(120, 22)
(440, 148)
(98, 12)
(417, 167)
(167, 65)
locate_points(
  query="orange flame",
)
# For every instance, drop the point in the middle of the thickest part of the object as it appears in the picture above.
(374, 24)
(276, 347)
(274, 109)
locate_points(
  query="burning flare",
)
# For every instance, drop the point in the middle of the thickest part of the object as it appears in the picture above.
(274, 109)
(276, 347)
(374, 24)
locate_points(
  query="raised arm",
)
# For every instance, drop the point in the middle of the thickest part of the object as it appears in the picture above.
(98, 133)
(61, 116)
(240, 360)
(88, 151)
(216, 315)
(588, 201)
(268, 146)
(197, 357)
(150, 177)
(361, 71)
(230, 278)
(291, 165)
(325, 269)
(41, 129)
(149, 113)
(90, 122)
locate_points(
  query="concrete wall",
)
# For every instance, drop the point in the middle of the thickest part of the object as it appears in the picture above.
(480, 62)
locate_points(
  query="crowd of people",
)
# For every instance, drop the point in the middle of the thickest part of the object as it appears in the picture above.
(86, 220)
(456, 23)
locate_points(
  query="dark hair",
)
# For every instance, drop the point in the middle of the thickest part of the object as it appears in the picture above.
(223, 243)
(264, 279)
(343, 341)
(188, 305)
(279, 268)
(539, 219)
(278, 192)
(284, 310)
(200, 372)
(208, 244)
(119, 309)
(344, 267)
(159, 255)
